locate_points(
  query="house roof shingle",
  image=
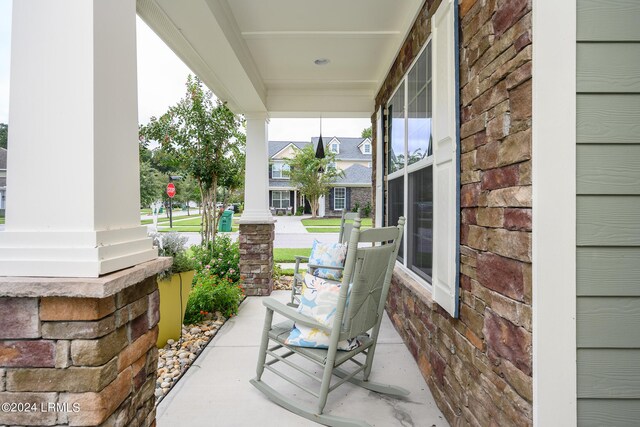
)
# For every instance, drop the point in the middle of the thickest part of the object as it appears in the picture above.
(348, 147)
(355, 174)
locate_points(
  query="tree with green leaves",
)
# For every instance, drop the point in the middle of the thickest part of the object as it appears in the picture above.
(313, 176)
(152, 184)
(366, 133)
(4, 135)
(201, 134)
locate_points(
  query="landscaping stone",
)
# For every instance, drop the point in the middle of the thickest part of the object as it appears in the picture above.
(175, 358)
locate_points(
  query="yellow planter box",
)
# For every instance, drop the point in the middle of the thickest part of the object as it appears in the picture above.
(174, 294)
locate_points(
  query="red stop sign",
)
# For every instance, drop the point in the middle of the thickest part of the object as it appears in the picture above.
(171, 190)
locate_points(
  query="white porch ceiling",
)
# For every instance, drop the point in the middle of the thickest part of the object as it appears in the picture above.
(258, 55)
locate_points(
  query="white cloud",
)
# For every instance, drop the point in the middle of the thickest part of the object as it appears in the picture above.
(161, 75)
(304, 129)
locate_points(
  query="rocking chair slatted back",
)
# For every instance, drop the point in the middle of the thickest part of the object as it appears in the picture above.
(346, 225)
(367, 277)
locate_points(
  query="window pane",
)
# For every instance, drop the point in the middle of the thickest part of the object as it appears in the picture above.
(339, 198)
(419, 116)
(420, 227)
(276, 170)
(395, 197)
(396, 131)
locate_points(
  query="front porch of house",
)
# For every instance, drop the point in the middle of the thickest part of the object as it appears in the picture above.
(461, 296)
(216, 390)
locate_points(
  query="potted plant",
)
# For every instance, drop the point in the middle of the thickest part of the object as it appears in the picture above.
(174, 285)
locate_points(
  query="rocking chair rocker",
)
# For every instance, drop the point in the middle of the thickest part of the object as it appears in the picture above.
(359, 311)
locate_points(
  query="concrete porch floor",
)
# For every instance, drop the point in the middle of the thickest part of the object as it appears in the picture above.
(216, 390)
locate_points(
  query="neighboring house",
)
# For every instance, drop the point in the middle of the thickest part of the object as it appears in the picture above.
(353, 158)
(3, 179)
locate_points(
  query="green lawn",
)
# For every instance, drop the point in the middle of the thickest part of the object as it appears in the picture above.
(289, 271)
(288, 254)
(163, 218)
(1, 220)
(188, 228)
(323, 229)
(366, 222)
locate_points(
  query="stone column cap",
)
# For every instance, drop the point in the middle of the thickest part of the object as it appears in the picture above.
(101, 287)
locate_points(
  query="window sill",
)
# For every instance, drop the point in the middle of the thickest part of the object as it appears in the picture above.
(415, 284)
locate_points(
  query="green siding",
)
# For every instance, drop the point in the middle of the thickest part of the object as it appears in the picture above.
(608, 20)
(608, 67)
(608, 118)
(608, 212)
(608, 412)
(608, 271)
(607, 372)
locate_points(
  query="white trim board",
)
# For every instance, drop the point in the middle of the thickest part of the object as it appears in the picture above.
(554, 213)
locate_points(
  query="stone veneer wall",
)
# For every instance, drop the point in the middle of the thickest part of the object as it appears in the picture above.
(95, 358)
(360, 195)
(479, 367)
(256, 258)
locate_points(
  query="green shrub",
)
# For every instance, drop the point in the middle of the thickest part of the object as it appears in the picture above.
(209, 296)
(299, 210)
(356, 207)
(221, 259)
(366, 211)
(173, 245)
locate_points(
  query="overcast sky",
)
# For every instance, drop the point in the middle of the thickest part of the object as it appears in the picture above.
(161, 78)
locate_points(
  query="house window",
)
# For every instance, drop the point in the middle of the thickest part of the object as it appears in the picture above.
(335, 147)
(280, 199)
(409, 167)
(332, 165)
(367, 148)
(280, 170)
(339, 198)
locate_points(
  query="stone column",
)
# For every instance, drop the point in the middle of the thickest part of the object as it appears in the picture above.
(81, 350)
(72, 173)
(256, 222)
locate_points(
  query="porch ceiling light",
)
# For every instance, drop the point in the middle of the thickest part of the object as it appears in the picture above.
(321, 61)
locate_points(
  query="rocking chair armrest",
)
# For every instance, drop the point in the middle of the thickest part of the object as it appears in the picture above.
(298, 259)
(328, 267)
(293, 314)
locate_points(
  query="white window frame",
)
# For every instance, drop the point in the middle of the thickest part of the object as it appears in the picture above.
(282, 168)
(366, 149)
(280, 199)
(337, 147)
(343, 198)
(407, 169)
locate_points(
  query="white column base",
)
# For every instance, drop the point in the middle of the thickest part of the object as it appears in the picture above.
(73, 253)
(256, 217)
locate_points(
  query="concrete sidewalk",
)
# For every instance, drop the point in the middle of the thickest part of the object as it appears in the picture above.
(215, 392)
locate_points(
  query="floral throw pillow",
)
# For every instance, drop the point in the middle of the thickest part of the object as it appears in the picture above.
(319, 300)
(331, 255)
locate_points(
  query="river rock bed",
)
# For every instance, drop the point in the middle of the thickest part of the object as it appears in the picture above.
(175, 358)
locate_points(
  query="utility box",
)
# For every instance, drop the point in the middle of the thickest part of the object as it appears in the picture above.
(225, 221)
